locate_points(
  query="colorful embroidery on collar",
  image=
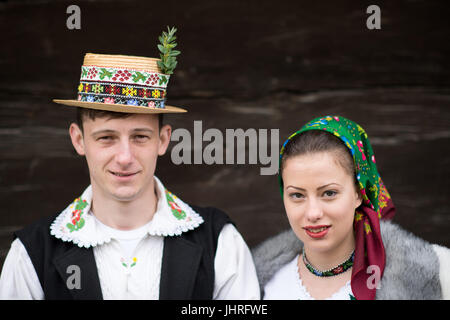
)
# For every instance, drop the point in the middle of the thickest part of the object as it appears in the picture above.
(77, 219)
(174, 207)
(172, 218)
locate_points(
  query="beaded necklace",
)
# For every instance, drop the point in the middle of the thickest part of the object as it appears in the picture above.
(344, 266)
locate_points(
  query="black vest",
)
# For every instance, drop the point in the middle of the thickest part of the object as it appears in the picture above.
(187, 270)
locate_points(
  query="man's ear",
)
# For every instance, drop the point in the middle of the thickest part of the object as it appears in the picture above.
(76, 135)
(164, 138)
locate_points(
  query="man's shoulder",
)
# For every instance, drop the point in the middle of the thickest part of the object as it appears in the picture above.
(39, 243)
(211, 213)
(214, 220)
(36, 229)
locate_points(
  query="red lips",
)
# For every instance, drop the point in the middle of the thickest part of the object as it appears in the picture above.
(313, 232)
(317, 227)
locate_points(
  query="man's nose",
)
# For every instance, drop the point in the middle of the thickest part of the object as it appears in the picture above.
(124, 154)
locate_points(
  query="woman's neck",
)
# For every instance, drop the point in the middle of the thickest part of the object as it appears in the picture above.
(328, 259)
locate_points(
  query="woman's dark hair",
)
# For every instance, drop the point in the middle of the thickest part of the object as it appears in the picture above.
(93, 114)
(313, 141)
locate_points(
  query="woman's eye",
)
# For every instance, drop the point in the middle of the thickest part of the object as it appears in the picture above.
(296, 195)
(330, 193)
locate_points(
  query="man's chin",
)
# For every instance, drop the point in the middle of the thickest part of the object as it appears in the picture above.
(125, 194)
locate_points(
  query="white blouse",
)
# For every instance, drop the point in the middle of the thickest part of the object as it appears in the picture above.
(129, 262)
(286, 284)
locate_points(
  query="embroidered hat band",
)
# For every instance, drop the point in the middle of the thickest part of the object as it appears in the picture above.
(123, 84)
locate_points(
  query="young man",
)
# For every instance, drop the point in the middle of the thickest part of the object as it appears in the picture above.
(127, 236)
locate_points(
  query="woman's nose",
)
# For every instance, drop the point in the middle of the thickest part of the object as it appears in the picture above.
(314, 211)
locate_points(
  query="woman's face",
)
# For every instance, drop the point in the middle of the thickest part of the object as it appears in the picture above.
(320, 200)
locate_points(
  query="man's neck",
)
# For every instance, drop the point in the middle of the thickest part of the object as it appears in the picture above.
(125, 215)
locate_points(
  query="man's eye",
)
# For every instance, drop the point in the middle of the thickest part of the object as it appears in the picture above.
(141, 138)
(105, 138)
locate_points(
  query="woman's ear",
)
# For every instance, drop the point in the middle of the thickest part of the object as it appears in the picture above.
(359, 199)
(76, 135)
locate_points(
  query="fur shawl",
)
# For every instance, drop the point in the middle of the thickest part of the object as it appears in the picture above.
(414, 270)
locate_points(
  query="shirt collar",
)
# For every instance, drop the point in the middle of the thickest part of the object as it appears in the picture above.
(78, 225)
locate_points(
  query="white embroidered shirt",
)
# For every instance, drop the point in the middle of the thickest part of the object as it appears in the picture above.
(129, 262)
(286, 284)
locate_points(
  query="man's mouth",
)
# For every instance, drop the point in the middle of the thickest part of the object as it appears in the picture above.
(123, 174)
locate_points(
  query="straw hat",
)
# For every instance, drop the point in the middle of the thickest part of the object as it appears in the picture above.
(122, 84)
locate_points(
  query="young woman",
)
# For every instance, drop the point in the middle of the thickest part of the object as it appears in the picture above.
(340, 245)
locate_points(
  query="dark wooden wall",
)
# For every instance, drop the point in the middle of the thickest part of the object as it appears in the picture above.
(244, 64)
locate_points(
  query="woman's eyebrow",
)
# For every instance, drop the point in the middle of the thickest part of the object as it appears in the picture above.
(327, 185)
(322, 187)
(298, 188)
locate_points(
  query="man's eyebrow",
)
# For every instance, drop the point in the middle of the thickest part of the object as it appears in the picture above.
(142, 129)
(104, 131)
(110, 131)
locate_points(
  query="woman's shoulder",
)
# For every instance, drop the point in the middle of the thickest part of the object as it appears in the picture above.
(283, 284)
(415, 268)
(443, 254)
(274, 253)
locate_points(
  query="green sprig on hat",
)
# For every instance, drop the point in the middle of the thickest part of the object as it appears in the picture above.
(168, 55)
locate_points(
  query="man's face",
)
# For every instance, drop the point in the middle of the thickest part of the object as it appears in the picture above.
(121, 153)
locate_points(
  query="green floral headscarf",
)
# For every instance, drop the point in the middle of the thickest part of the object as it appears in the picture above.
(377, 203)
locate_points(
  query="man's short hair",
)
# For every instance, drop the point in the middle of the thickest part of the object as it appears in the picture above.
(92, 114)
